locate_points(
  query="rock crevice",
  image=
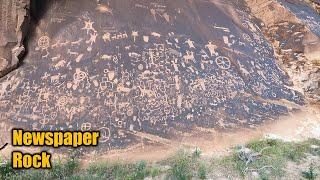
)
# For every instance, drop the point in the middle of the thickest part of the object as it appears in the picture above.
(15, 20)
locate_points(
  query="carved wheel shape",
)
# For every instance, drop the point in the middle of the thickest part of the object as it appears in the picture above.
(223, 62)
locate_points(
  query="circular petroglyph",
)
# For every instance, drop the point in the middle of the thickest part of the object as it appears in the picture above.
(244, 24)
(140, 67)
(223, 62)
(79, 75)
(86, 126)
(62, 101)
(44, 42)
(247, 37)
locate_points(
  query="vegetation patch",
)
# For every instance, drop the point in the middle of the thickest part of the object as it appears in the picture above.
(265, 159)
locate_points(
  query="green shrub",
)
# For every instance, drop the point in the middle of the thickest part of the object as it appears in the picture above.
(6, 170)
(197, 152)
(202, 172)
(181, 167)
(310, 174)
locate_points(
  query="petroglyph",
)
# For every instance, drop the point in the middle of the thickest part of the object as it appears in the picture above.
(146, 72)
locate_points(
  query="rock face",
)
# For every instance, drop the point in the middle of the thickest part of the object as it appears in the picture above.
(14, 20)
(136, 69)
(294, 29)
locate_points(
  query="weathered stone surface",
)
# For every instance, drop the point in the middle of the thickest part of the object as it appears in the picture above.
(14, 22)
(137, 69)
(294, 29)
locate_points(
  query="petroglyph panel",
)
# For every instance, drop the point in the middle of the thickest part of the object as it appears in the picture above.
(305, 13)
(124, 67)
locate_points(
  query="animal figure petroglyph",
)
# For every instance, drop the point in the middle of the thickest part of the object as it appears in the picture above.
(61, 63)
(64, 43)
(121, 88)
(72, 53)
(76, 42)
(106, 57)
(134, 55)
(56, 57)
(155, 34)
(189, 56)
(119, 36)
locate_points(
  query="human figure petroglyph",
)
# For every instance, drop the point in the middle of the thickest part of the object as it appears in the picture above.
(134, 34)
(89, 26)
(92, 39)
(43, 45)
(226, 41)
(190, 43)
(106, 37)
(212, 48)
